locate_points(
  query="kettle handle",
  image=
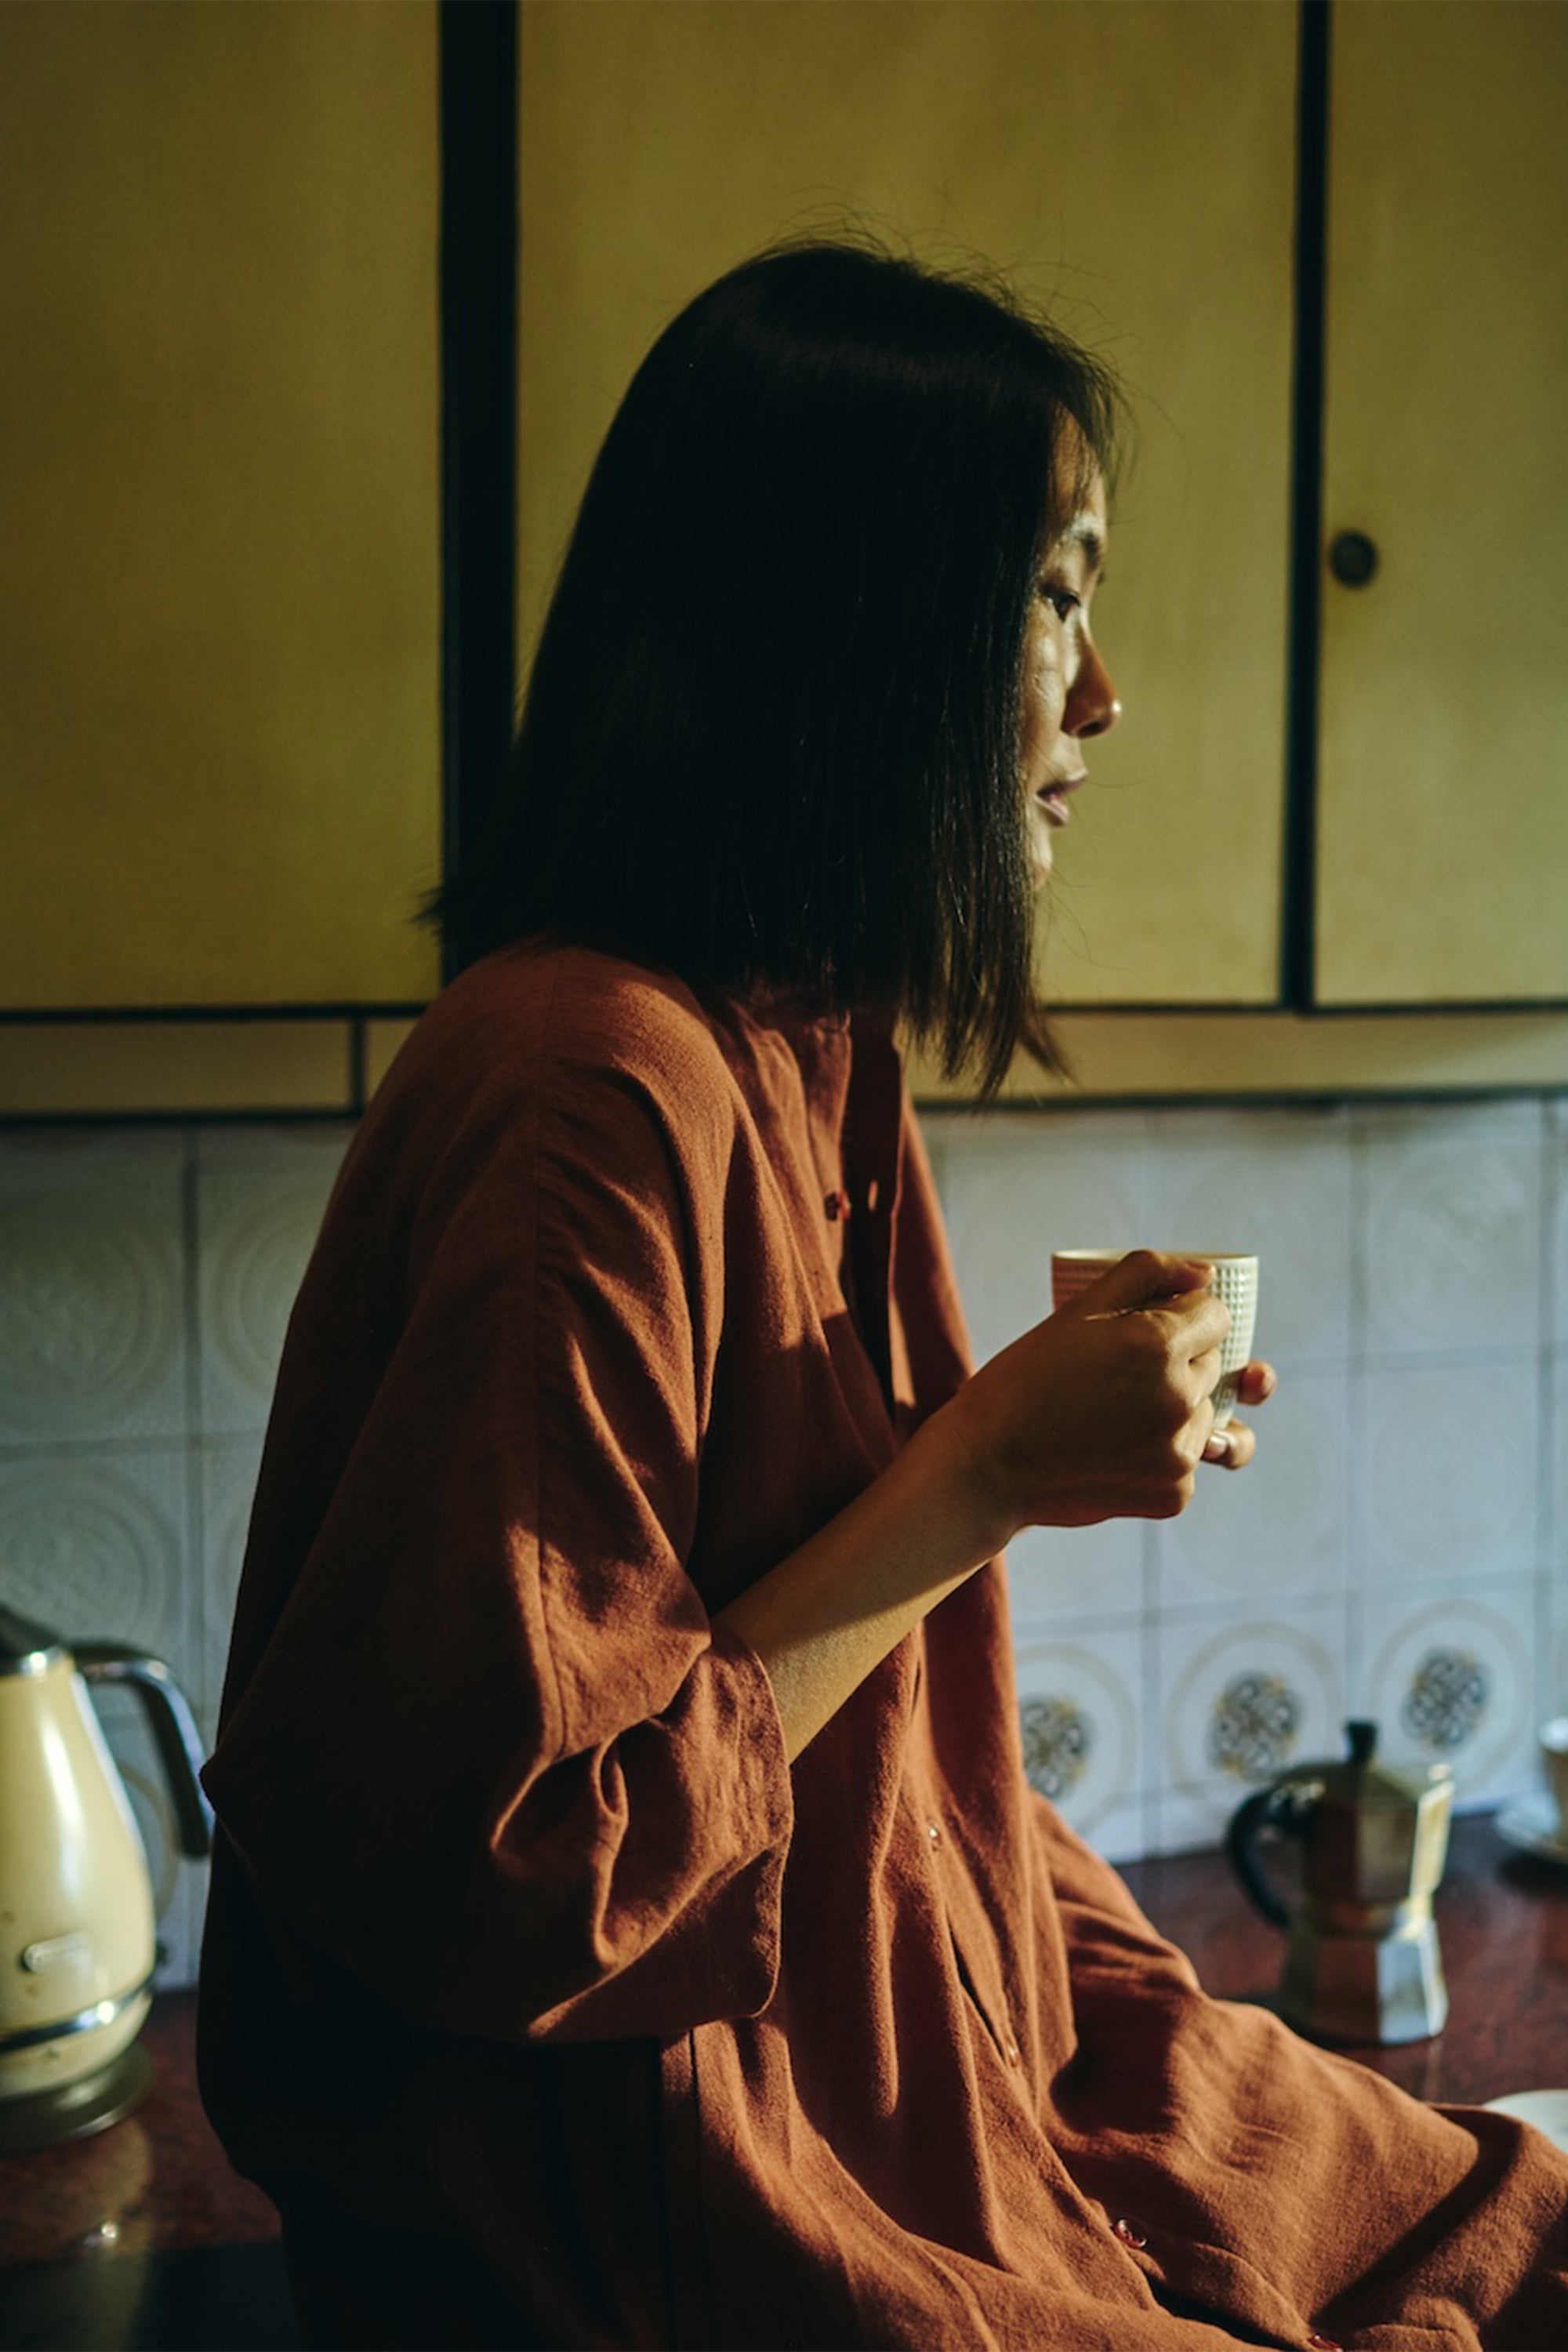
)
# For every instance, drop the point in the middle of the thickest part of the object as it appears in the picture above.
(172, 1723)
(1288, 1806)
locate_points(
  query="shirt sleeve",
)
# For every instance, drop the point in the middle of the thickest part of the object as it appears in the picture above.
(492, 1753)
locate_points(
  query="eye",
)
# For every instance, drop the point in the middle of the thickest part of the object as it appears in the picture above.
(1062, 601)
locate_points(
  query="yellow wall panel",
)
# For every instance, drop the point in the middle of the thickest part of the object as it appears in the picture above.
(383, 1042)
(218, 588)
(51, 1069)
(1156, 1056)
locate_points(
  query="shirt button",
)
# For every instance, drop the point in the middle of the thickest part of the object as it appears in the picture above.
(837, 1204)
(1011, 2051)
(1129, 2235)
(933, 1832)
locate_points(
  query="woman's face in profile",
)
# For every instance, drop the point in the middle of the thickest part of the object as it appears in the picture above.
(1068, 692)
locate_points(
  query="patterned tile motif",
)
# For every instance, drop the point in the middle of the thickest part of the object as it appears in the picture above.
(96, 1548)
(91, 1330)
(1255, 1724)
(1450, 1241)
(1059, 1741)
(1079, 1711)
(1453, 1681)
(260, 1213)
(1447, 1469)
(1243, 1703)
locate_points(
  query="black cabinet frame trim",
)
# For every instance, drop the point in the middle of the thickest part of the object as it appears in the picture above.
(479, 62)
(1298, 891)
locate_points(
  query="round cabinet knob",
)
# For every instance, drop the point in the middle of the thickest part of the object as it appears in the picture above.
(1352, 558)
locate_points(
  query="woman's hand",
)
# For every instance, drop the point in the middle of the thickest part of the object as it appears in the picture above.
(1103, 1409)
(1101, 1412)
(1234, 1445)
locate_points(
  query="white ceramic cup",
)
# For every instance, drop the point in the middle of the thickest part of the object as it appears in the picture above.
(1555, 1766)
(1234, 1280)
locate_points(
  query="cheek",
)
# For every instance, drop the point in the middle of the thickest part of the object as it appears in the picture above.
(1045, 703)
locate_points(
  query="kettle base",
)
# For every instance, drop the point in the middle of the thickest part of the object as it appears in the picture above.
(91, 2104)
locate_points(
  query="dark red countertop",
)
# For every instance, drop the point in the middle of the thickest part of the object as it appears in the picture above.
(159, 2182)
(1502, 1925)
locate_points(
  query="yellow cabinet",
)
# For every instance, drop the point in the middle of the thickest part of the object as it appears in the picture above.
(1442, 799)
(219, 586)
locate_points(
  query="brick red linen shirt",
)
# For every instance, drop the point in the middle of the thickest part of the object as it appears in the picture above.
(522, 1929)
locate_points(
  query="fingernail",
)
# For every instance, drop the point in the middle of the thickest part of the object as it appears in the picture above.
(1218, 1447)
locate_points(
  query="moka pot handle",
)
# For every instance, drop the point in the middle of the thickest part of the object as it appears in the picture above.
(1287, 1806)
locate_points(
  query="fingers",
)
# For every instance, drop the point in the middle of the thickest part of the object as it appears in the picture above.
(1143, 1278)
(1232, 1447)
(1201, 1321)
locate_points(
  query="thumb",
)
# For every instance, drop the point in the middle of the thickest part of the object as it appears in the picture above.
(1141, 1277)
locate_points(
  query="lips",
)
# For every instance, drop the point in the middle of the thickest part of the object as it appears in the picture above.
(1053, 795)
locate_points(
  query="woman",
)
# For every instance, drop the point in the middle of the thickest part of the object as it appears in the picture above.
(631, 1923)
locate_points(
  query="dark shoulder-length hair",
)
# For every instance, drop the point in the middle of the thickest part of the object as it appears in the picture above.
(771, 735)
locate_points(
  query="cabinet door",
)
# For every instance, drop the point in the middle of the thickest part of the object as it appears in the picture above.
(1442, 790)
(219, 582)
(1129, 167)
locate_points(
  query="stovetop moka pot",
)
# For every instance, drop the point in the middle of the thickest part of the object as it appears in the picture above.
(1363, 1962)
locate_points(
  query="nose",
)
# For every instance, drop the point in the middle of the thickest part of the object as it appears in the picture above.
(1092, 708)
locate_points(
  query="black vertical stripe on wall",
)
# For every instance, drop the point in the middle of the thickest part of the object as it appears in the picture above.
(1297, 940)
(478, 49)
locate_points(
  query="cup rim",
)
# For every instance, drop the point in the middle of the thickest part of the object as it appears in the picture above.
(1115, 1257)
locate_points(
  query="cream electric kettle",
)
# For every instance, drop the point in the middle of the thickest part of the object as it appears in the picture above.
(76, 1948)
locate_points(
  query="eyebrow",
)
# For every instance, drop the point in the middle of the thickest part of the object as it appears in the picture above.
(1087, 535)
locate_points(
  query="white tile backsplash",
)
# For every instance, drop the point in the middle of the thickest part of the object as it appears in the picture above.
(96, 1546)
(1241, 1699)
(260, 1198)
(92, 1301)
(1399, 1546)
(1449, 1228)
(228, 1472)
(1081, 1705)
(1554, 1269)
(1451, 1680)
(1277, 1530)
(1445, 1467)
(1279, 1184)
(1072, 1576)
(1014, 1189)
